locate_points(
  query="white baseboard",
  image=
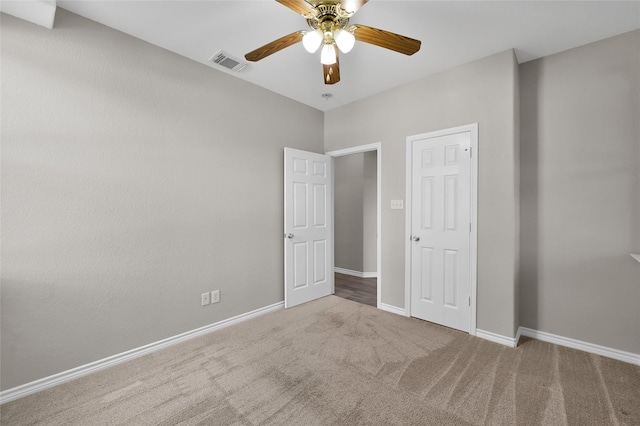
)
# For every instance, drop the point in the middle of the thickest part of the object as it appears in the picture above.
(497, 338)
(355, 273)
(392, 309)
(66, 376)
(592, 348)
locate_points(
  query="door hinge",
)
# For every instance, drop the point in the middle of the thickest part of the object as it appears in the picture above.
(469, 300)
(469, 226)
(470, 152)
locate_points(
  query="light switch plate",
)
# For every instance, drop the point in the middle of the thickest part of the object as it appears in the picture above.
(397, 204)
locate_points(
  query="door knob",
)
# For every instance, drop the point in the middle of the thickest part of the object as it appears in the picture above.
(289, 236)
(415, 238)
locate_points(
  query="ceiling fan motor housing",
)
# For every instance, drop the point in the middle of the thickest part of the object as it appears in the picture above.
(328, 18)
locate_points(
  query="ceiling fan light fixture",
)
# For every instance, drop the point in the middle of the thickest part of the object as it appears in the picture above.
(312, 40)
(344, 39)
(330, 29)
(328, 54)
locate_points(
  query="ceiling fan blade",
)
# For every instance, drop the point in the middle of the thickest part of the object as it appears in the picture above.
(274, 46)
(352, 6)
(331, 72)
(386, 39)
(299, 6)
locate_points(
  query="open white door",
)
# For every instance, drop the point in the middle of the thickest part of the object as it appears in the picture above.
(308, 226)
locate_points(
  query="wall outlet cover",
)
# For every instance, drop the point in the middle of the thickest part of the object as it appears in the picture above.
(205, 299)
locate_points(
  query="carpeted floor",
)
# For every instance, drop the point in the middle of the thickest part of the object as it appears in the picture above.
(337, 362)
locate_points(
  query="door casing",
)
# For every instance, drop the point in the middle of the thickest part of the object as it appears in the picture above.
(473, 246)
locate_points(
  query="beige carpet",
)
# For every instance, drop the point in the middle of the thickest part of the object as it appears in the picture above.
(336, 362)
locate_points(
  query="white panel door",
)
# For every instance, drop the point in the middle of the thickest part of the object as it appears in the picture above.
(308, 226)
(440, 229)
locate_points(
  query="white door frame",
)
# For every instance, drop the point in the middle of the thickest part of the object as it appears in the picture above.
(377, 146)
(473, 248)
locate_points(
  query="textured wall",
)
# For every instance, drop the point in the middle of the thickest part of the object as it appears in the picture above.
(133, 180)
(580, 113)
(484, 91)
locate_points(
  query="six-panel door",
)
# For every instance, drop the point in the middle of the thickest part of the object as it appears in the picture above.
(308, 226)
(440, 229)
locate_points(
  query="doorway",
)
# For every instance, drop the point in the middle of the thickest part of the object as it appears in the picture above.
(357, 213)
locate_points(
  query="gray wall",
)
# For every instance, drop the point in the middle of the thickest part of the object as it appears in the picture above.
(369, 213)
(348, 204)
(126, 176)
(355, 211)
(486, 92)
(581, 193)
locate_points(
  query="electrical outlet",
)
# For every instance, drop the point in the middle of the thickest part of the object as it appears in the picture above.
(206, 299)
(215, 296)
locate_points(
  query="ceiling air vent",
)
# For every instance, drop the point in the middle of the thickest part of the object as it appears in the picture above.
(227, 61)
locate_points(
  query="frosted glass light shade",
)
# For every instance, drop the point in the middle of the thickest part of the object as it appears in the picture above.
(328, 54)
(344, 39)
(312, 40)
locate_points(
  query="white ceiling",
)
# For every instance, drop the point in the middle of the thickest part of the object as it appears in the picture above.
(452, 33)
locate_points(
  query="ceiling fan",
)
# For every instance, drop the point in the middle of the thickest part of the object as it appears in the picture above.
(330, 28)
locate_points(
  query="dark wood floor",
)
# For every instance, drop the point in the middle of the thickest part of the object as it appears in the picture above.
(361, 290)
